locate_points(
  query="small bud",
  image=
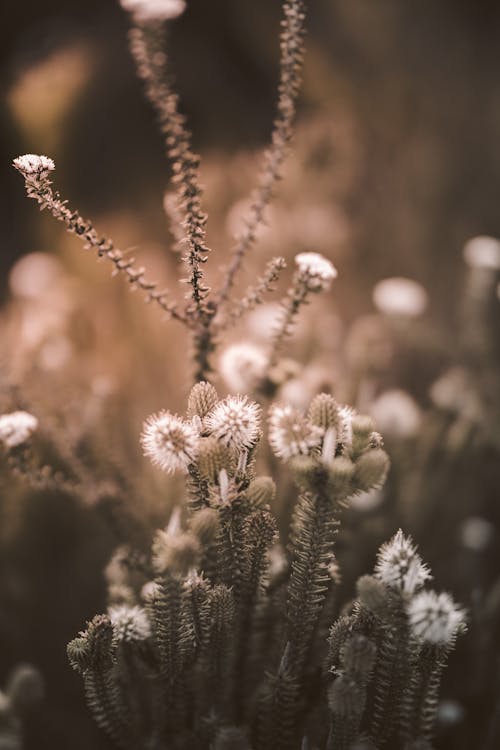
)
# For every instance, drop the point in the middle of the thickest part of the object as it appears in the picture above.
(372, 594)
(78, 651)
(324, 412)
(371, 469)
(340, 474)
(213, 457)
(362, 429)
(25, 687)
(261, 491)
(202, 399)
(204, 524)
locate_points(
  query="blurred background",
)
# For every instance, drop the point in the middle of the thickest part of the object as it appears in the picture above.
(395, 166)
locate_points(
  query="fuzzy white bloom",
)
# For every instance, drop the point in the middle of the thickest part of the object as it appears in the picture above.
(150, 591)
(242, 366)
(396, 413)
(318, 271)
(34, 166)
(400, 296)
(129, 623)
(170, 442)
(153, 10)
(483, 252)
(235, 422)
(16, 428)
(290, 433)
(399, 566)
(434, 617)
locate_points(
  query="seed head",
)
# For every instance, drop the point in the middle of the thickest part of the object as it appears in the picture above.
(242, 366)
(130, 624)
(235, 422)
(291, 434)
(170, 442)
(434, 617)
(399, 565)
(16, 428)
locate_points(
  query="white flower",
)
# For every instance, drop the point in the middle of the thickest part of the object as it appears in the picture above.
(129, 623)
(16, 428)
(400, 296)
(235, 422)
(483, 252)
(150, 591)
(170, 442)
(154, 10)
(399, 566)
(242, 366)
(434, 617)
(317, 271)
(34, 166)
(396, 413)
(290, 433)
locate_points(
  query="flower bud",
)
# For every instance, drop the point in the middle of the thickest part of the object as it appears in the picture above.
(261, 491)
(213, 457)
(324, 412)
(202, 399)
(371, 469)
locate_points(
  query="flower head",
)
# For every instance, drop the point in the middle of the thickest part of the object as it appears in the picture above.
(34, 166)
(400, 296)
(397, 414)
(235, 422)
(434, 617)
(242, 366)
(290, 433)
(129, 623)
(317, 271)
(483, 252)
(170, 442)
(154, 10)
(399, 565)
(16, 428)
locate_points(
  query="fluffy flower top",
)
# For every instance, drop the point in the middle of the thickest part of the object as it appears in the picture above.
(400, 296)
(153, 10)
(34, 166)
(129, 623)
(16, 428)
(235, 422)
(290, 433)
(316, 270)
(483, 252)
(170, 442)
(399, 565)
(242, 366)
(434, 617)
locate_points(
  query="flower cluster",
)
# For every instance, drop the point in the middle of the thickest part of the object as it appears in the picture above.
(144, 11)
(34, 167)
(316, 271)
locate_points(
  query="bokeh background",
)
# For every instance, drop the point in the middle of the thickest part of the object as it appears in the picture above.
(395, 166)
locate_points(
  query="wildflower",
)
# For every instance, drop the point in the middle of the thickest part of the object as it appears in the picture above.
(434, 617)
(483, 252)
(317, 271)
(235, 422)
(399, 566)
(16, 428)
(291, 434)
(400, 296)
(34, 167)
(397, 414)
(153, 10)
(129, 623)
(170, 442)
(242, 366)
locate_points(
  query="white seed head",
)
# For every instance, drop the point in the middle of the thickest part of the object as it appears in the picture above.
(170, 442)
(242, 366)
(16, 428)
(290, 433)
(34, 166)
(397, 414)
(434, 617)
(400, 297)
(235, 422)
(317, 271)
(130, 624)
(153, 10)
(483, 252)
(399, 565)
